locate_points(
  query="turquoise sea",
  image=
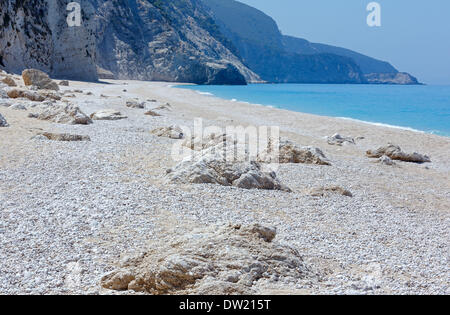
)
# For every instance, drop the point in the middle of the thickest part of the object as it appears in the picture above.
(424, 108)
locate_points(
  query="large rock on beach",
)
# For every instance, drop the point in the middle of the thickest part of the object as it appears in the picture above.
(395, 153)
(61, 113)
(230, 259)
(289, 152)
(219, 165)
(39, 79)
(22, 93)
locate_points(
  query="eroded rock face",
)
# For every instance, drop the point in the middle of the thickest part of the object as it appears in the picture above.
(3, 122)
(172, 132)
(215, 260)
(395, 153)
(219, 165)
(39, 79)
(107, 114)
(35, 34)
(339, 140)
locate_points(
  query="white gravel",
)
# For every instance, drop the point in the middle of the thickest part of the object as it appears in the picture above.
(69, 210)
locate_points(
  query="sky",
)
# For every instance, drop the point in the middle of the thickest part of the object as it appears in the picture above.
(414, 35)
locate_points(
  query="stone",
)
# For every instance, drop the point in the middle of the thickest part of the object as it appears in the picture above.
(289, 152)
(219, 165)
(64, 137)
(3, 122)
(21, 93)
(323, 191)
(61, 113)
(18, 107)
(395, 153)
(339, 140)
(39, 79)
(386, 160)
(3, 93)
(230, 259)
(64, 83)
(152, 113)
(49, 95)
(134, 103)
(172, 132)
(206, 141)
(107, 114)
(9, 81)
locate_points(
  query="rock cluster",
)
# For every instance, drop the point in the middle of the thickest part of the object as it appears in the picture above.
(214, 260)
(394, 152)
(220, 165)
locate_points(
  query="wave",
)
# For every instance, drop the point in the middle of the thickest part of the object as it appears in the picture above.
(205, 93)
(382, 124)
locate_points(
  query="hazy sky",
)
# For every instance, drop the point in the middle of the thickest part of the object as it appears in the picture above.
(414, 35)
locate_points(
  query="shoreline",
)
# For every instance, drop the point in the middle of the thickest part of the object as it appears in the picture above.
(380, 124)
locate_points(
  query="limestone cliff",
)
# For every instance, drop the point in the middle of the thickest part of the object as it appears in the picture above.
(173, 41)
(35, 34)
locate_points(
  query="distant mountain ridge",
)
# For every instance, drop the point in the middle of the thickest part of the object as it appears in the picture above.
(279, 58)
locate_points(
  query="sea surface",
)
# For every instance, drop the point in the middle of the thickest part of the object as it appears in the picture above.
(423, 108)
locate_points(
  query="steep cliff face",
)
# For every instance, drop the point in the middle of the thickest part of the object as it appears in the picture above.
(165, 40)
(173, 41)
(261, 46)
(365, 63)
(35, 34)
